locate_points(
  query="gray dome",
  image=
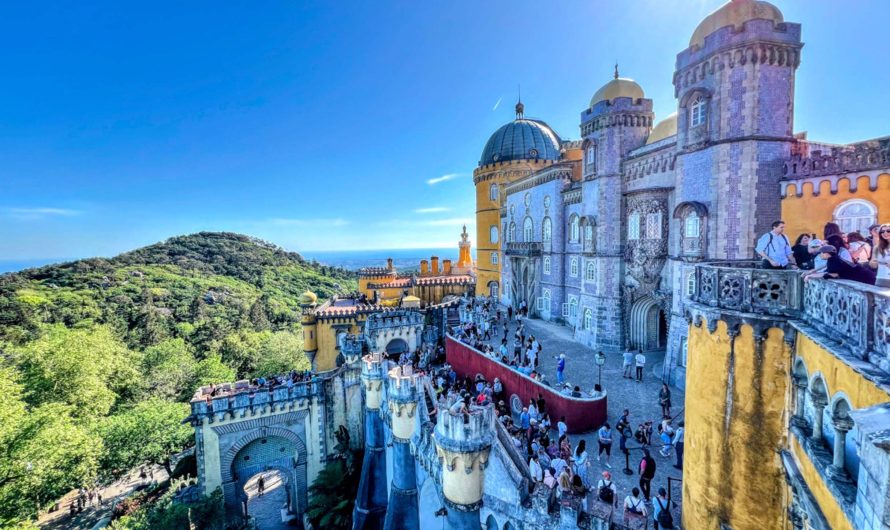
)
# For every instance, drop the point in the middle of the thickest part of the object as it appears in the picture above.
(521, 139)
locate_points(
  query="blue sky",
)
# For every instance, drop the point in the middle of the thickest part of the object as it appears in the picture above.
(333, 125)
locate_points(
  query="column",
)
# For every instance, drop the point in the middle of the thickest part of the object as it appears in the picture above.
(403, 393)
(370, 502)
(842, 425)
(819, 403)
(800, 385)
(463, 444)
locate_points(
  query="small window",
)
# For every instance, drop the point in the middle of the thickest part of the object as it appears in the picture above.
(494, 258)
(547, 265)
(590, 274)
(528, 230)
(573, 308)
(547, 229)
(588, 319)
(574, 229)
(684, 351)
(633, 227)
(512, 236)
(493, 290)
(590, 162)
(698, 111)
(546, 299)
(574, 268)
(493, 234)
(692, 225)
(690, 284)
(493, 192)
(653, 225)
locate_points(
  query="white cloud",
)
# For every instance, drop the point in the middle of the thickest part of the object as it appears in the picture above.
(498, 104)
(35, 214)
(434, 209)
(284, 221)
(443, 178)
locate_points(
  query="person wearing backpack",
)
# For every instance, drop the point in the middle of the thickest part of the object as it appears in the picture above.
(634, 504)
(775, 250)
(606, 490)
(647, 472)
(661, 511)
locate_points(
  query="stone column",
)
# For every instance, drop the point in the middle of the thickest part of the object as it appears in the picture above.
(463, 444)
(819, 403)
(799, 418)
(842, 425)
(370, 502)
(403, 393)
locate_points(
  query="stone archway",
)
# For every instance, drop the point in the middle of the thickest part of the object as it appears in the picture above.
(266, 449)
(648, 325)
(396, 347)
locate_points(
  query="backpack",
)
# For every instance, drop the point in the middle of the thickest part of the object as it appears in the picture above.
(636, 508)
(665, 519)
(606, 494)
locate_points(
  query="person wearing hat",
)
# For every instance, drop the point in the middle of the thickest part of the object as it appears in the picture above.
(661, 511)
(837, 268)
(606, 490)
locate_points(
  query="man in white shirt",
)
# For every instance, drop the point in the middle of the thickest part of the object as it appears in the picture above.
(641, 363)
(634, 504)
(561, 426)
(535, 468)
(774, 248)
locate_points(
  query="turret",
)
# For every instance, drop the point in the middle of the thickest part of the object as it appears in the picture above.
(370, 502)
(308, 301)
(402, 396)
(424, 267)
(434, 265)
(446, 267)
(463, 444)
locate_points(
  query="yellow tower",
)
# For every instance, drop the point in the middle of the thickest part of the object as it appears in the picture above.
(465, 258)
(308, 301)
(516, 150)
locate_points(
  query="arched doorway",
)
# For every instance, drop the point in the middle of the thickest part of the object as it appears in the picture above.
(395, 348)
(648, 325)
(268, 494)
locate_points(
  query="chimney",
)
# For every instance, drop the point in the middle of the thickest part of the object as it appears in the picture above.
(434, 269)
(446, 266)
(424, 267)
(389, 263)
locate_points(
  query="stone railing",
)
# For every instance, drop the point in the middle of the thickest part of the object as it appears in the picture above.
(527, 249)
(739, 286)
(852, 317)
(243, 399)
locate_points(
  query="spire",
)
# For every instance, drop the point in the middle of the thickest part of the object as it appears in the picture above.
(616, 69)
(519, 106)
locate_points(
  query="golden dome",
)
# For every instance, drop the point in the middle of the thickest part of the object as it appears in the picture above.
(663, 129)
(734, 13)
(620, 87)
(410, 299)
(308, 298)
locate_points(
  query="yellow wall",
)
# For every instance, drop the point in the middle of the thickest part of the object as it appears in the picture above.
(732, 473)
(809, 214)
(326, 358)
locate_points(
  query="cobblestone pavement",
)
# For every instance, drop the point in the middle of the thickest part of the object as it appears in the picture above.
(266, 509)
(641, 399)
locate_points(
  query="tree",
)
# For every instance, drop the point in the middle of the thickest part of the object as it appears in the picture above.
(258, 314)
(170, 370)
(279, 353)
(207, 514)
(146, 433)
(85, 368)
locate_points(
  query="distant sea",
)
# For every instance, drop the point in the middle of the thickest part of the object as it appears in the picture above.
(403, 259)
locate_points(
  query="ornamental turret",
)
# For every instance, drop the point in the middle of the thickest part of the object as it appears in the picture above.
(308, 302)
(463, 446)
(403, 392)
(370, 502)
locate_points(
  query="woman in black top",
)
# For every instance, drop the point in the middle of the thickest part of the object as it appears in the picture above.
(802, 253)
(839, 269)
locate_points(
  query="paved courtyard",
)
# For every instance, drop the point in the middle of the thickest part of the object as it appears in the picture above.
(266, 509)
(641, 399)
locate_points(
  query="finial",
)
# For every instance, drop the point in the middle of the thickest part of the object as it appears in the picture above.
(616, 69)
(519, 106)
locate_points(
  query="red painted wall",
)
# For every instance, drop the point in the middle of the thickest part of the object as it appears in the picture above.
(582, 414)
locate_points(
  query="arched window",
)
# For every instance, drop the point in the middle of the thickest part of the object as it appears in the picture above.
(573, 309)
(493, 192)
(512, 236)
(547, 229)
(590, 160)
(653, 225)
(633, 227)
(588, 319)
(588, 238)
(574, 229)
(855, 215)
(590, 274)
(528, 230)
(493, 289)
(698, 111)
(547, 265)
(546, 300)
(692, 225)
(493, 233)
(574, 268)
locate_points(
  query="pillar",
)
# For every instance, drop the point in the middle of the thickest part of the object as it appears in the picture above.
(800, 385)
(463, 444)
(403, 393)
(819, 403)
(842, 425)
(370, 502)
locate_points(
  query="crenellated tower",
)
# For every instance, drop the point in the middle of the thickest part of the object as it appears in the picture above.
(308, 302)
(463, 445)
(402, 396)
(370, 502)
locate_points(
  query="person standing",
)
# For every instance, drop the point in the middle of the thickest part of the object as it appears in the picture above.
(661, 511)
(678, 444)
(606, 490)
(634, 504)
(582, 461)
(647, 472)
(774, 248)
(525, 419)
(880, 256)
(604, 439)
(628, 364)
(534, 467)
(560, 369)
(641, 363)
(664, 399)
(561, 428)
(261, 485)
(509, 313)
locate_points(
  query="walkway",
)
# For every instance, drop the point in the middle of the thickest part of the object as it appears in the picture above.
(641, 399)
(266, 509)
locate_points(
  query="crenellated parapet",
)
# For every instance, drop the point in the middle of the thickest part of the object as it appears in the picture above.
(373, 376)
(402, 395)
(229, 401)
(463, 444)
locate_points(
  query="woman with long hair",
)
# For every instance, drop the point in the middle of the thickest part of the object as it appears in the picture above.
(581, 461)
(801, 252)
(859, 247)
(880, 256)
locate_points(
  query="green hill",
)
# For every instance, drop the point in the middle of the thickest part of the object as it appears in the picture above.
(102, 354)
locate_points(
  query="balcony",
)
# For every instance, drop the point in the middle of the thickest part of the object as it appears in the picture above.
(523, 249)
(853, 317)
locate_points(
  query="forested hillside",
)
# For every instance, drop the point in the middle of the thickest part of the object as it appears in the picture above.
(99, 356)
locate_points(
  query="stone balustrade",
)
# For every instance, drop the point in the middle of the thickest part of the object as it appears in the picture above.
(740, 286)
(522, 248)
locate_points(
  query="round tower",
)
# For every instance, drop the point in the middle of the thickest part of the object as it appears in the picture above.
(308, 301)
(463, 444)
(402, 394)
(370, 502)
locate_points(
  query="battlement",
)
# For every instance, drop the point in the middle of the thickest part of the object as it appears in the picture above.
(373, 366)
(756, 30)
(467, 432)
(858, 157)
(404, 384)
(241, 398)
(396, 317)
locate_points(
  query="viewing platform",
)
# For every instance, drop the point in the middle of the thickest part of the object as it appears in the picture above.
(235, 400)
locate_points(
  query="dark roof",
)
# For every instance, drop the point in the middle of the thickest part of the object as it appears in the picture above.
(521, 139)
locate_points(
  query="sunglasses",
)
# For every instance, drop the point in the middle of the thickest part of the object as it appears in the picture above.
(885, 231)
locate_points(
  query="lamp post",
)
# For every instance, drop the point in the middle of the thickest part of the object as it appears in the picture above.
(600, 361)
